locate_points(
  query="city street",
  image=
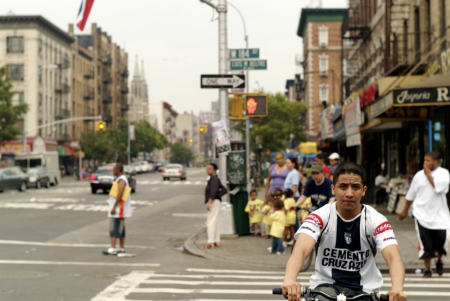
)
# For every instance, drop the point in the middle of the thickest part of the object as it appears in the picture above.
(52, 241)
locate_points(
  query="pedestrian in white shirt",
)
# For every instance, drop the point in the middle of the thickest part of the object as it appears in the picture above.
(427, 193)
(380, 187)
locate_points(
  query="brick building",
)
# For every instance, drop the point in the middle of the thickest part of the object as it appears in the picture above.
(320, 29)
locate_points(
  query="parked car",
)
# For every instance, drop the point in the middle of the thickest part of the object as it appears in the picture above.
(103, 178)
(159, 166)
(38, 177)
(13, 178)
(174, 171)
(129, 169)
(137, 166)
(145, 166)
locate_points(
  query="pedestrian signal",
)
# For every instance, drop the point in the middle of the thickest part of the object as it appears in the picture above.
(256, 106)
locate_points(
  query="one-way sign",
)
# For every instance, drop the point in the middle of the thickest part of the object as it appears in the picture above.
(225, 81)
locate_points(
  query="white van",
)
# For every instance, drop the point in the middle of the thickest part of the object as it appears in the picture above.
(49, 161)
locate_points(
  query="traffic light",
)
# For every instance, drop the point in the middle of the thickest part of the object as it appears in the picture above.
(256, 106)
(236, 107)
(203, 129)
(100, 126)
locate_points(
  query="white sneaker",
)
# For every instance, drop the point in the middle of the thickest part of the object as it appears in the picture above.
(269, 249)
(279, 253)
(120, 251)
(110, 251)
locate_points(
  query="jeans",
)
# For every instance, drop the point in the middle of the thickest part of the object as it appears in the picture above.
(277, 245)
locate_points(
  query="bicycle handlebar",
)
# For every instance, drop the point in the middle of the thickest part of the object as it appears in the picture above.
(381, 297)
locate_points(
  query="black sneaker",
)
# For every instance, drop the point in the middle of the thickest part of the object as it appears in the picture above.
(427, 274)
(439, 267)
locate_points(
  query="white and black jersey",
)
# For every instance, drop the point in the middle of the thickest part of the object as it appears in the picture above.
(346, 249)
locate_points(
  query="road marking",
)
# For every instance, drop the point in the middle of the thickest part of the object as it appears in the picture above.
(280, 277)
(170, 290)
(233, 271)
(192, 215)
(122, 287)
(74, 245)
(78, 263)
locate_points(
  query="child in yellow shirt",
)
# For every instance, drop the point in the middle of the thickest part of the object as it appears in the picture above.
(289, 206)
(266, 222)
(253, 209)
(278, 218)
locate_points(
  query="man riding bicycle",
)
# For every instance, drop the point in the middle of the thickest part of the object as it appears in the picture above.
(346, 235)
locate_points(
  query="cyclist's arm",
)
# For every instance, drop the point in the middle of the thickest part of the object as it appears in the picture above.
(300, 200)
(302, 249)
(397, 271)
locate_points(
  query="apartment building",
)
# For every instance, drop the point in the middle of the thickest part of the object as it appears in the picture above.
(320, 29)
(37, 55)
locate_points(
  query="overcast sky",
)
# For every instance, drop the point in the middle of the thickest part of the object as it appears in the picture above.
(177, 39)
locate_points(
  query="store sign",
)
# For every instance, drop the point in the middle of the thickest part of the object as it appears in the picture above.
(352, 121)
(326, 123)
(369, 95)
(381, 106)
(425, 96)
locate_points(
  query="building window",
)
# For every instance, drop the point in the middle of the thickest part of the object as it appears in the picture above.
(345, 67)
(323, 93)
(40, 47)
(19, 97)
(14, 45)
(15, 72)
(323, 36)
(40, 74)
(323, 65)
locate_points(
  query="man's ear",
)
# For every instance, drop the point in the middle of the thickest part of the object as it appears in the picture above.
(332, 189)
(364, 190)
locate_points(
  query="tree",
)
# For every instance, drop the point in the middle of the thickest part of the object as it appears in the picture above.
(97, 146)
(285, 119)
(147, 139)
(179, 153)
(10, 114)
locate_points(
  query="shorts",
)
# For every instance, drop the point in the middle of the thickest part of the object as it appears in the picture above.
(117, 227)
(431, 241)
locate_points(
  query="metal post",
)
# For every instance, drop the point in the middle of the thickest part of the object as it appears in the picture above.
(25, 134)
(79, 165)
(223, 69)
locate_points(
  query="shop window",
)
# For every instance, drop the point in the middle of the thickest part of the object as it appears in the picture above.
(14, 45)
(16, 72)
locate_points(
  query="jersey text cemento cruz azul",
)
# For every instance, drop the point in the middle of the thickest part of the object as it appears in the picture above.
(346, 249)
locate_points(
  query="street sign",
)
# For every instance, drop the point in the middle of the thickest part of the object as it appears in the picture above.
(244, 53)
(225, 81)
(248, 65)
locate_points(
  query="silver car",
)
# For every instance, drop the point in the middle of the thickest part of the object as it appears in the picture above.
(174, 171)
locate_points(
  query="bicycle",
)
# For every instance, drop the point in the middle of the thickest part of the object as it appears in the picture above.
(307, 293)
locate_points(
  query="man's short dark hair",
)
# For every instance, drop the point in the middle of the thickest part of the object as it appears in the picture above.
(433, 155)
(320, 156)
(349, 168)
(119, 167)
(214, 165)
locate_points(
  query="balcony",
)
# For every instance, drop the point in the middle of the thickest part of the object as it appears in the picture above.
(125, 108)
(88, 95)
(107, 60)
(89, 74)
(107, 79)
(64, 64)
(124, 90)
(107, 99)
(62, 114)
(62, 88)
(124, 73)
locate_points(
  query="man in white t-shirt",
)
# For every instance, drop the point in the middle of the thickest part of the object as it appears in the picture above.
(427, 194)
(380, 187)
(346, 235)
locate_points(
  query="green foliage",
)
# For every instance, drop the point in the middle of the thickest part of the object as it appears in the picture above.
(179, 153)
(10, 114)
(111, 145)
(285, 118)
(147, 139)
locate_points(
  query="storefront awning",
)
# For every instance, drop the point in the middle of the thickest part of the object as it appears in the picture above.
(432, 91)
(381, 124)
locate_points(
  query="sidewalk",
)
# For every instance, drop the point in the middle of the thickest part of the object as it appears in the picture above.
(252, 251)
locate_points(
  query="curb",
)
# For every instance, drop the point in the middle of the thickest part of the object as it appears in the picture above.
(189, 246)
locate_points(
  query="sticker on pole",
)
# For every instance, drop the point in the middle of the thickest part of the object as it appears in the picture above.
(221, 137)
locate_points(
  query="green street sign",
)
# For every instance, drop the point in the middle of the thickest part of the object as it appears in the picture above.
(248, 65)
(244, 53)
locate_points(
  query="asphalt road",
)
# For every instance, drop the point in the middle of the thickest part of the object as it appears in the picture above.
(51, 243)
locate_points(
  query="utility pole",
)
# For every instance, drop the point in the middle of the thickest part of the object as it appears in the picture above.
(221, 9)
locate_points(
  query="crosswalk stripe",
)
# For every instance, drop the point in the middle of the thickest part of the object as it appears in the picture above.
(170, 290)
(234, 271)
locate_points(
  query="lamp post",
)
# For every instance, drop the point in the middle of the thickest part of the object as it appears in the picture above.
(221, 9)
(247, 89)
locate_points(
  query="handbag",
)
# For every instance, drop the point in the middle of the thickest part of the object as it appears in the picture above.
(114, 191)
